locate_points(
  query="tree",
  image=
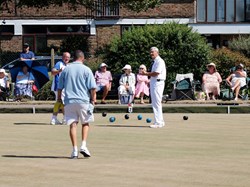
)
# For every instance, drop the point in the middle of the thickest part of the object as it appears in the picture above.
(183, 50)
(135, 5)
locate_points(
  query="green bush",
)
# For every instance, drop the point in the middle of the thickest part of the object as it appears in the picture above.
(241, 44)
(226, 59)
(72, 43)
(183, 50)
(45, 92)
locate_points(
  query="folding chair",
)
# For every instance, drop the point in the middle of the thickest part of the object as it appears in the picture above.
(227, 94)
(183, 87)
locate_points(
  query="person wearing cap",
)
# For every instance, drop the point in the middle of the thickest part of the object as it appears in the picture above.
(4, 85)
(157, 84)
(127, 82)
(103, 80)
(56, 72)
(26, 54)
(211, 82)
(237, 80)
(142, 88)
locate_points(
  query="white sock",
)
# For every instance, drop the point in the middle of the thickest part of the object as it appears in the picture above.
(75, 149)
(84, 143)
(54, 117)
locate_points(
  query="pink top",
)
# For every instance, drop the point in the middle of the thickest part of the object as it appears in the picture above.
(142, 85)
(103, 78)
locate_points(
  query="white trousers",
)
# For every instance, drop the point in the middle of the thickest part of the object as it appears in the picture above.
(156, 92)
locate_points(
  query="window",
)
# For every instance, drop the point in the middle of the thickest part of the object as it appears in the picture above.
(211, 11)
(240, 12)
(201, 13)
(107, 8)
(38, 43)
(68, 29)
(223, 10)
(230, 10)
(7, 30)
(220, 10)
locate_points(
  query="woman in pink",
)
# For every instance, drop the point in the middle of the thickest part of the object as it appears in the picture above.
(211, 82)
(142, 88)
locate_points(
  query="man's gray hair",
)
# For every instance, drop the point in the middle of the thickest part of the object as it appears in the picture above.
(78, 54)
(154, 49)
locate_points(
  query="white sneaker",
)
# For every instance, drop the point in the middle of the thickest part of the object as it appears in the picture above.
(85, 152)
(74, 155)
(156, 125)
(55, 122)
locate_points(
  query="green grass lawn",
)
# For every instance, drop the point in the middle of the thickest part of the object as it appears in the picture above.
(207, 150)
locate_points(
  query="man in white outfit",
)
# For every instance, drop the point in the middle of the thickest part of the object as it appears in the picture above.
(157, 84)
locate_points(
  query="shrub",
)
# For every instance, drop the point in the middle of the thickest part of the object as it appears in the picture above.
(45, 92)
(183, 50)
(226, 59)
(72, 43)
(241, 44)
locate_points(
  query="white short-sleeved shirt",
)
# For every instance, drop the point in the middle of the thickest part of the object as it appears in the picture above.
(3, 82)
(159, 67)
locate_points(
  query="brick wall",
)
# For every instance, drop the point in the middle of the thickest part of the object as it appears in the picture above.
(64, 11)
(105, 33)
(11, 43)
(170, 8)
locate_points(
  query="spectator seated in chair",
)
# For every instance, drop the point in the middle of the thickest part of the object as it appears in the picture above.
(142, 86)
(103, 81)
(211, 82)
(127, 83)
(24, 81)
(237, 80)
(4, 85)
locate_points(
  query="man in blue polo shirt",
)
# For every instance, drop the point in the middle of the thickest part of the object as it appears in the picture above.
(27, 54)
(79, 86)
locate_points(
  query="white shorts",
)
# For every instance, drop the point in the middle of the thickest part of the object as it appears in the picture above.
(74, 112)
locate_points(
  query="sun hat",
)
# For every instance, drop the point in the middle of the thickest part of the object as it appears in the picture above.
(2, 70)
(126, 67)
(103, 65)
(212, 64)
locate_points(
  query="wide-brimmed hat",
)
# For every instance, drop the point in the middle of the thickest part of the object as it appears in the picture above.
(143, 67)
(127, 66)
(212, 64)
(2, 71)
(103, 65)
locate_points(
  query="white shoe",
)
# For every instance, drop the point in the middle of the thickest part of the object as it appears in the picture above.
(85, 152)
(156, 125)
(55, 122)
(74, 155)
(236, 98)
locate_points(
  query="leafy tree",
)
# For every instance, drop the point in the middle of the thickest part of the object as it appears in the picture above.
(241, 44)
(72, 43)
(225, 59)
(183, 50)
(135, 5)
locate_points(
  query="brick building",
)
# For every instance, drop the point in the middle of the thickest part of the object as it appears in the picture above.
(218, 20)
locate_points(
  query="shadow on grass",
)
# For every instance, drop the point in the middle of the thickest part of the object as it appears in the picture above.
(29, 156)
(134, 126)
(23, 123)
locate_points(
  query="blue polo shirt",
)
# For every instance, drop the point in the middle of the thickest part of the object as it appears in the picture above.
(77, 80)
(28, 55)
